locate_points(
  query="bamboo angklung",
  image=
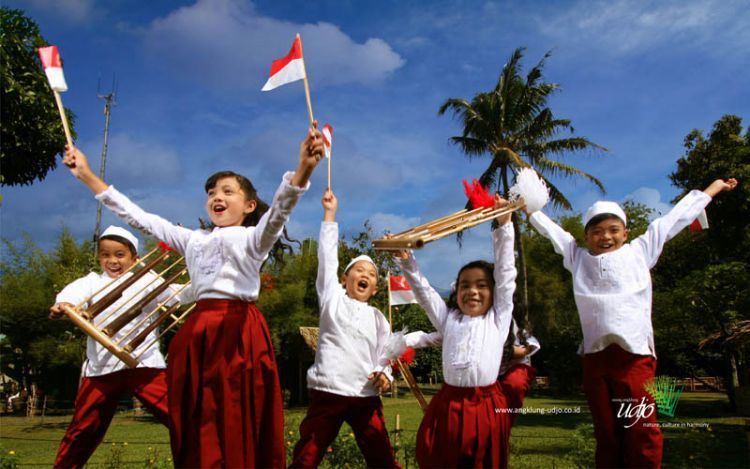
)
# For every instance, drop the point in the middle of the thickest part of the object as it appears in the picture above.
(412, 383)
(417, 237)
(84, 318)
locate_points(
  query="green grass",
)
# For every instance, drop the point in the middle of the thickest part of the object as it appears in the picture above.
(538, 440)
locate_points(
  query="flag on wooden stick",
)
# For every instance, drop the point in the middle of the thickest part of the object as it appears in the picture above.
(52, 64)
(401, 293)
(287, 69)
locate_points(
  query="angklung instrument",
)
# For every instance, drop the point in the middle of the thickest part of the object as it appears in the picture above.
(143, 275)
(529, 192)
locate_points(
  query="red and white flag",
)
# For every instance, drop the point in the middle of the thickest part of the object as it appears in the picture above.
(287, 69)
(700, 223)
(327, 139)
(401, 293)
(53, 68)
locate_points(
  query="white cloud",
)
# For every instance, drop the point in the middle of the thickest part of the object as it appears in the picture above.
(627, 26)
(392, 223)
(227, 44)
(138, 163)
(74, 11)
(650, 198)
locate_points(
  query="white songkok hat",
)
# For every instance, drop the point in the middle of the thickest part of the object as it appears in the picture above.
(363, 257)
(604, 207)
(122, 233)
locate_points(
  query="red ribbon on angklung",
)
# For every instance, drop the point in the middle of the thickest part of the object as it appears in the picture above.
(478, 196)
(407, 358)
(164, 247)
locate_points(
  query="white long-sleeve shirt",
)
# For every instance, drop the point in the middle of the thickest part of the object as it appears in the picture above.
(472, 346)
(223, 263)
(613, 290)
(353, 334)
(421, 339)
(99, 361)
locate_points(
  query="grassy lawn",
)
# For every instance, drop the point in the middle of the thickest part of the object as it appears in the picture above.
(703, 434)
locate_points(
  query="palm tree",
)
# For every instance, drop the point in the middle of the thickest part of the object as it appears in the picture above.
(514, 127)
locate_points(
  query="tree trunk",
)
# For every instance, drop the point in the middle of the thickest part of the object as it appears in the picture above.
(732, 380)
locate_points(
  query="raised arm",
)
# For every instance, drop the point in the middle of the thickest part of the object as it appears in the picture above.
(271, 224)
(328, 243)
(505, 267)
(687, 209)
(427, 297)
(563, 242)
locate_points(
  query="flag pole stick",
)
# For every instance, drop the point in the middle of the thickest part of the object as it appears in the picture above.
(330, 156)
(390, 315)
(64, 118)
(307, 85)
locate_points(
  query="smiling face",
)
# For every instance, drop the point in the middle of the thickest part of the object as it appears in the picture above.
(361, 281)
(227, 204)
(115, 257)
(474, 292)
(605, 236)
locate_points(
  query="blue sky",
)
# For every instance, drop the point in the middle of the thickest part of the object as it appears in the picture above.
(636, 77)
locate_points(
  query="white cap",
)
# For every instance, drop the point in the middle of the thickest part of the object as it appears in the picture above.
(604, 207)
(363, 257)
(122, 233)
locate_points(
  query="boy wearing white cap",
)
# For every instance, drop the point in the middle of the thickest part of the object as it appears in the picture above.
(350, 368)
(104, 377)
(612, 289)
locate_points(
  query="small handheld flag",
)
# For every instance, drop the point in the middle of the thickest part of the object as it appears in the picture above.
(52, 64)
(50, 58)
(327, 139)
(401, 293)
(288, 69)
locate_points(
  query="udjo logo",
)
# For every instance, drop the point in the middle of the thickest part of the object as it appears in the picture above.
(666, 393)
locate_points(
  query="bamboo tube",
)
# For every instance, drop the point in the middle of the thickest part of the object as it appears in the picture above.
(160, 307)
(176, 320)
(97, 335)
(412, 383)
(138, 339)
(136, 310)
(93, 310)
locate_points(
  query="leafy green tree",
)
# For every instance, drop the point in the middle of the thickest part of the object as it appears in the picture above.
(31, 130)
(513, 125)
(35, 349)
(703, 278)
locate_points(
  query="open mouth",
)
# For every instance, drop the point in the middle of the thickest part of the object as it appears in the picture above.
(362, 284)
(219, 209)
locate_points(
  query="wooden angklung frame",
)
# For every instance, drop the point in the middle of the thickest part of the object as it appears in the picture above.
(417, 237)
(124, 347)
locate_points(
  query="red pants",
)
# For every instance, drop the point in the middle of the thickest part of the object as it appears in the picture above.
(464, 427)
(516, 383)
(225, 403)
(613, 381)
(96, 404)
(325, 415)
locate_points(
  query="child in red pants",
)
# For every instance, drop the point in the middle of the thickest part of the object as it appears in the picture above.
(105, 378)
(350, 368)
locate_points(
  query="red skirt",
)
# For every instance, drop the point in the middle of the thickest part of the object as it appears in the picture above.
(225, 402)
(465, 427)
(516, 383)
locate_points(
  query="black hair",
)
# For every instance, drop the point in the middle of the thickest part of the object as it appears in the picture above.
(489, 270)
(600, 218)
(121, 240)
(252, 218)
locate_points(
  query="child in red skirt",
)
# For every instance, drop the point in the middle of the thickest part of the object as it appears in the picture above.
(612, 289)
(225, 399)
(104, 377)
(517, 374)
(350, 368)
(466, 424)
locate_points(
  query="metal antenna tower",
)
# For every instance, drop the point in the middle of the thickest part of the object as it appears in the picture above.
(109, 101)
